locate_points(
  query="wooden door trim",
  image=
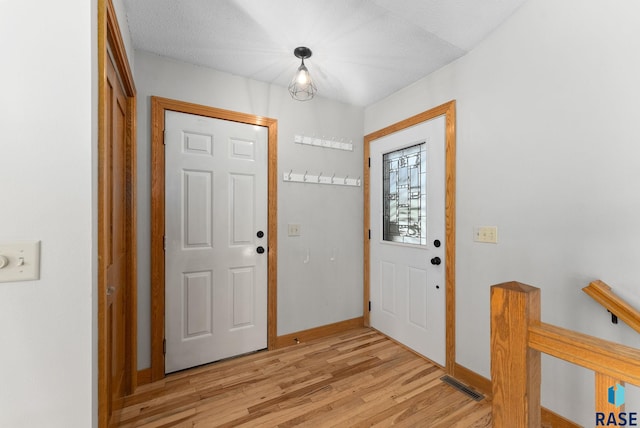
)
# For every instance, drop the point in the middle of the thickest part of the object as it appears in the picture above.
(449, 111)
(110, 43)
(158, 108)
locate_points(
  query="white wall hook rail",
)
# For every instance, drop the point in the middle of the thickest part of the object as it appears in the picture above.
(321, 179)
(324, 142)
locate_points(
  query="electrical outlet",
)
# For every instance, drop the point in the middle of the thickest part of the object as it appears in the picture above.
(486, 234)
(294, 229)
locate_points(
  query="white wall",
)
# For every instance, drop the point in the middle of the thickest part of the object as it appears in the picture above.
(547, 115)
(47, 164)
(309, 294)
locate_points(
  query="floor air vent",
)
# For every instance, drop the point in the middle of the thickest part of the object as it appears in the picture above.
(462, 387)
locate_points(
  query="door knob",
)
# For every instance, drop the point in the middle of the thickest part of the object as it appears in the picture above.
(436, 261)
(260, 250)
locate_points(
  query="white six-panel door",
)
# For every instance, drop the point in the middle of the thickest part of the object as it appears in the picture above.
(407, 247)
(216, 229)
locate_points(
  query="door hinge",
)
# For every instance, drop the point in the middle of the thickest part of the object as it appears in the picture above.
(369, 305)
(369, 234)
(164, 242)
(164, 346)
(369, 162)
(164, 138)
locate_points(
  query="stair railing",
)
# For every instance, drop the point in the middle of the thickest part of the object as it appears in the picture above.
(619, 308)
(517, 339)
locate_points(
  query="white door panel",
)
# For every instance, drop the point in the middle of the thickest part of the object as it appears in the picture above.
(407, 290)
(215, 203)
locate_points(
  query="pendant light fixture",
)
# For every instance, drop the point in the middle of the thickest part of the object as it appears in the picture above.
(301, 87)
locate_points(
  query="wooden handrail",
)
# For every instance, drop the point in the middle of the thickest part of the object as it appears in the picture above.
(602, 293)
(517, 339)
(609, 358)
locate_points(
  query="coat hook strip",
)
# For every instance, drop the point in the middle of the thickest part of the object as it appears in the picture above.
(321, 179)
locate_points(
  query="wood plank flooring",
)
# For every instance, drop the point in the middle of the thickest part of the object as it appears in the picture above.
(355, 379)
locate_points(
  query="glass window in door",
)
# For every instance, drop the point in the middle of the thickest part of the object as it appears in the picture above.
(404, 195)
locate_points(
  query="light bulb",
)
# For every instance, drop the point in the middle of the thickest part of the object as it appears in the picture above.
(303, 76)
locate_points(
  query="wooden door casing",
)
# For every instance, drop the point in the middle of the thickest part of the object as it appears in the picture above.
(158, 108)
(116, 219)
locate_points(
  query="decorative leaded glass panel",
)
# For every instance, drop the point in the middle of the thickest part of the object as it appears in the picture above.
(404, 195)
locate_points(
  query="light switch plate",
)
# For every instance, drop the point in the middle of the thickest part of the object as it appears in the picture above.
(486, 234)
(20, 261)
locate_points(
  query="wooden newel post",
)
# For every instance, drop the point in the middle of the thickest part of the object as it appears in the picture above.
(515, 368)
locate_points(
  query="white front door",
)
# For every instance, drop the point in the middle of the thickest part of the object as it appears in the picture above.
(216, 239)
(407, 247)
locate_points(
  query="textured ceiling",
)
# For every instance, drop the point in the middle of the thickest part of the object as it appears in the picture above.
(363, 50)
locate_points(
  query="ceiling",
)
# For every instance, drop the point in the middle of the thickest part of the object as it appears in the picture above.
(363, 50)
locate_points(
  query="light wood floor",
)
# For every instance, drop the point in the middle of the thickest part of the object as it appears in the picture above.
(355, 379)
